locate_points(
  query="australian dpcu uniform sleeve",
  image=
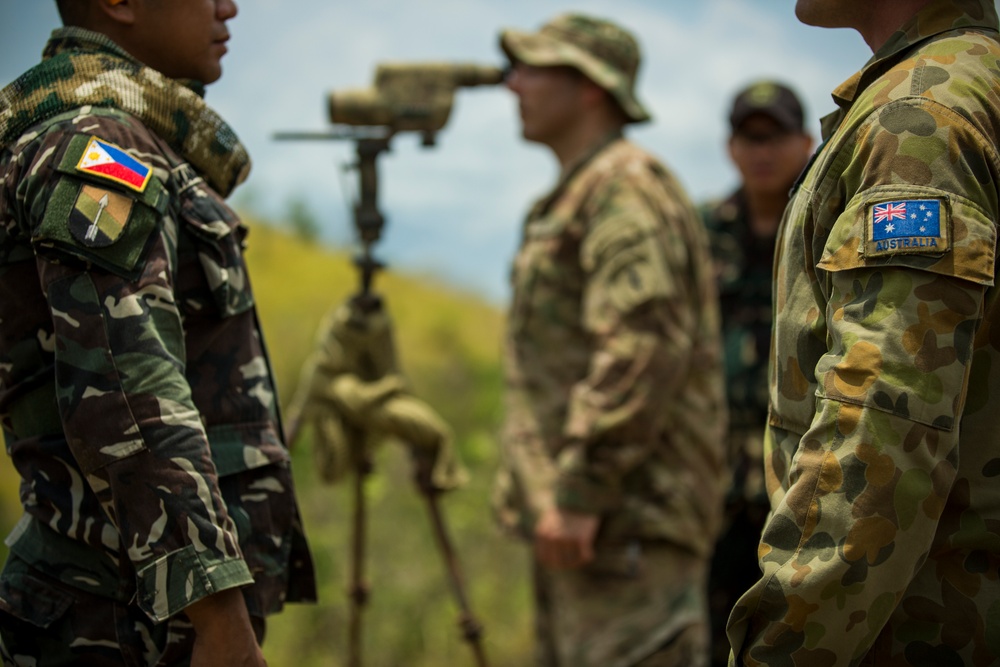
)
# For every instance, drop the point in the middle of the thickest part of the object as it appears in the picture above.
(105, 246)
(632, 287)
(860, 469)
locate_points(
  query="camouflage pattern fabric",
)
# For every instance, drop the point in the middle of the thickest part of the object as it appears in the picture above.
(743, 264)
(89, 632)
(601, 615)
(59, 624)
(614, 400)
(604, 52)
(883, 450)
(136, 396)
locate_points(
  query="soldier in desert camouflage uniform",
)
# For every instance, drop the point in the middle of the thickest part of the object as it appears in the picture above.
(768, 146)
(883, 450)
(615, 413)
(136, 396)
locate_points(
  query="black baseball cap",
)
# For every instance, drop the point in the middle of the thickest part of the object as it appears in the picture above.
(772, 99)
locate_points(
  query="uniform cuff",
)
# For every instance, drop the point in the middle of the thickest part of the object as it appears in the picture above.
(183, 577)
(577, 493)
(579, 486)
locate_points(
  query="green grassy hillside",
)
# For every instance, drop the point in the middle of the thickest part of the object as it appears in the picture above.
(449, 345)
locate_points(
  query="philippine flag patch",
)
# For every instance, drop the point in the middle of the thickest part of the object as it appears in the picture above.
(105, 160)
(912, 226)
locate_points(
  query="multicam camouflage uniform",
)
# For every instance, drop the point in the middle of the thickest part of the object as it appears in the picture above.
(136, 400)
(883, 449)
(615, 404)
(614, 401)
(743, 262)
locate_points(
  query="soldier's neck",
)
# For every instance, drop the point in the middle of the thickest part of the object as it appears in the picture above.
(582, 139)
(884, 18)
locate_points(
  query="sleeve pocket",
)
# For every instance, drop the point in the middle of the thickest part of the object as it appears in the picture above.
(964, 248)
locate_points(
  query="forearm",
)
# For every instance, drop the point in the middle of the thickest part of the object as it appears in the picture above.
(223, 632)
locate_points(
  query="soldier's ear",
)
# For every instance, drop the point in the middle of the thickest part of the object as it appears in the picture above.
(593, 95)
(119, 11)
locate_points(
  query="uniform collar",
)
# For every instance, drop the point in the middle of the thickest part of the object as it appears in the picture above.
(938, 17)
(572, 170)
(81, 68)
(72, 39)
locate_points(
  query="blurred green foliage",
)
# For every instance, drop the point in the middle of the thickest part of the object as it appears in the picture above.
(301, 219)
(449, 345)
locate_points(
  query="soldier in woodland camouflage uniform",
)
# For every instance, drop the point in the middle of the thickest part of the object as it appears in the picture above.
(883, 446)
(615, 411)
(136, 396)
(769, 147)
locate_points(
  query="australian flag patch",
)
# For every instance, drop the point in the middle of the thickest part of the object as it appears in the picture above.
(910, 226)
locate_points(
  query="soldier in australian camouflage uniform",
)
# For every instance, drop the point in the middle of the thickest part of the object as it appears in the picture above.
(768, 146)
(883, 451)
(615, 413)
(136, 397)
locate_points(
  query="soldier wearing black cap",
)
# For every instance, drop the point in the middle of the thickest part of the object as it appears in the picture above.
(771, 100)
(769, 147)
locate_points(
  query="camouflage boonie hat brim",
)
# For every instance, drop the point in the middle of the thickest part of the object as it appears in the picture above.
(602, 51)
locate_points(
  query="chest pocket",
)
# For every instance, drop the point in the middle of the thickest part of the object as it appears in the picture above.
(218, 240)
(545, 276)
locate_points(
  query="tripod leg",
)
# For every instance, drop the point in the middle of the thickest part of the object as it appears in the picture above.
(359, 590)
(471, 629)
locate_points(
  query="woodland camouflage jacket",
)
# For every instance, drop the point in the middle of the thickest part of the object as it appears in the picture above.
(743, 262)
(883, 450)
(134, 384)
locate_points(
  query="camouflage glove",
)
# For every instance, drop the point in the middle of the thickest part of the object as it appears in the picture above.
(356, 400)
(331, 397)
(330, 449)
(348, 413)
(418, 426)
(384, 408)
(337, 441)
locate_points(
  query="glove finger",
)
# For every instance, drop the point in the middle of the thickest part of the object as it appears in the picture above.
(331, 452)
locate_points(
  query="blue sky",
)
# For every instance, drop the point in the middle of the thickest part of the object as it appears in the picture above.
(454, 211)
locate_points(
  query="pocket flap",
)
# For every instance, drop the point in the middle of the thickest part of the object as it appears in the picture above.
(29, 598)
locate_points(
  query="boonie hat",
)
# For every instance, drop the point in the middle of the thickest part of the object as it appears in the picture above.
(605, 53)
(771, 99)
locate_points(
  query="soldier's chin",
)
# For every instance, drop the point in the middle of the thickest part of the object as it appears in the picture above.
(532, 135)
(768, 183)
